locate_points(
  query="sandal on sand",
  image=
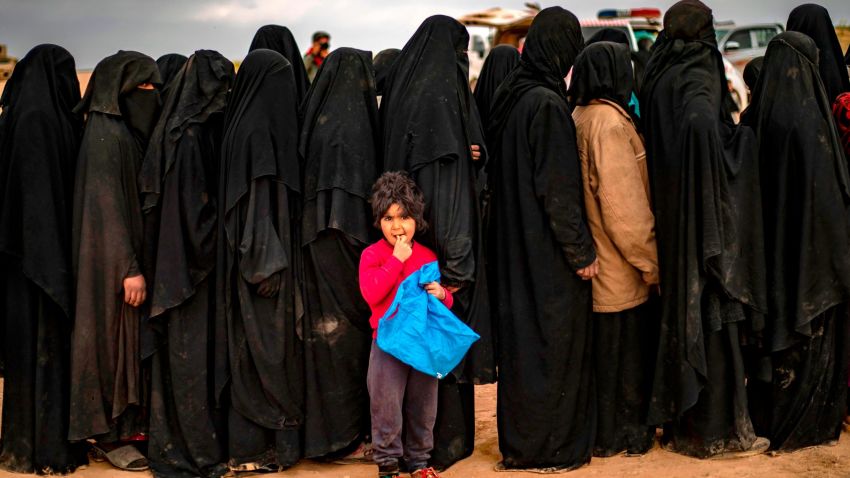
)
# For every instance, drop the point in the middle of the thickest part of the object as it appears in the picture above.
(254, 467)
(500, 467)
(126, 457)
(363, 454)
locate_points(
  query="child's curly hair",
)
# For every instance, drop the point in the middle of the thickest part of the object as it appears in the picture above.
(396, 187)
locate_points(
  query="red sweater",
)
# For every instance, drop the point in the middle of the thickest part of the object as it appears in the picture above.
(381, 274)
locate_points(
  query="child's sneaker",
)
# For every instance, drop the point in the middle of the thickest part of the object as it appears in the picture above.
(388, 471)
(425, 473)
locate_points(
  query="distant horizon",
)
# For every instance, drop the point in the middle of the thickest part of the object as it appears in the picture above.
(94, 29)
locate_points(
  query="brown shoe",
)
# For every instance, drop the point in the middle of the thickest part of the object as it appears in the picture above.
(425, 473)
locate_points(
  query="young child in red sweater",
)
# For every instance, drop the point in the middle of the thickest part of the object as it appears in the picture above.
(400, 396)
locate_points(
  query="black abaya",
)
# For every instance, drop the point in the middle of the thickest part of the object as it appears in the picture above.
(797, 399)
(538, 240)
(39, 141)
(178, 183)
(340, 147)
(259, 355)
(499, 63)
(429, 122)
(107, 396)
(707, 206)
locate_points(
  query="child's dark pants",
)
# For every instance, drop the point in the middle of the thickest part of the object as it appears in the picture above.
(400, 396)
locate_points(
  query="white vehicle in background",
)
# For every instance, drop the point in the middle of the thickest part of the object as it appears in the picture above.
(741, 44)
(497, 26)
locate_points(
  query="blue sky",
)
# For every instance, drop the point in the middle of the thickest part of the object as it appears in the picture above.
(93, 29)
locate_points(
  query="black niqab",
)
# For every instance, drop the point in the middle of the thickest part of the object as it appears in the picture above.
(538, 238)
(804, 179)
(814, 21)
(169, 64)
(39, 140)
(279, 38)
(340, 146)
(603, 70)
(178, 184)
(258, 350)
(106, 394)
(708, 227)
(501, 60)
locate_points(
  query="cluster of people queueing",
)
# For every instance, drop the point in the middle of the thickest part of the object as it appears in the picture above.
(195, 262)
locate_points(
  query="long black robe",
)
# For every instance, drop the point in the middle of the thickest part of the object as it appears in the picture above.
(106, 384)
(169, 64)
(258, 351)
(280, 39)
(704, 182)
(813, 20)
(39, 141)
(429, 122)
(797, 398)
(340, 146)
(178, 182)
(538, 239)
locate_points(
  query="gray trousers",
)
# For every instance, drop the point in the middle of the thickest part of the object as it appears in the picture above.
(400, 397)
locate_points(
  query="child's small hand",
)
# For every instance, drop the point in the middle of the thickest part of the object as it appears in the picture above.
(476, 152)
(402, 250)
(435, 289)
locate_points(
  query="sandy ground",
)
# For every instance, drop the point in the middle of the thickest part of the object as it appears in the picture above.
(815, 462)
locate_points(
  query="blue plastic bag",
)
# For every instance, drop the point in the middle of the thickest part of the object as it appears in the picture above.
(422, 332)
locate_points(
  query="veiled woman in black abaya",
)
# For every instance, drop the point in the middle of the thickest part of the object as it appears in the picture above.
(798, 394)
(813, 20)
(39, 140)
(704, 182)
(500, 61)
(340, 143)
(169, 64)
(178, 183)
(107, 394)
(259, 360)
(430, 123)
(280, 39)
(538, 244)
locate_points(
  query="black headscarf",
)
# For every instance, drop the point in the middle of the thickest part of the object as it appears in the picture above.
(113, 78)
(706, 201)
(808, 265)
(37, 160)
(425, 107)
(383, 64)
(847, 56)
(499, 63)
(551, 47)
(280, 39)
(602, 71)
(752, 72)
(609, 35)
(197, 92)
(814, 21)
(340, 142)
(169, 64)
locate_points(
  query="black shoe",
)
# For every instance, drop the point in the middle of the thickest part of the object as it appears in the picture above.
(388, 471)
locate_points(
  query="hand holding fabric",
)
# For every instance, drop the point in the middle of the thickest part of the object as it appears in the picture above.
(435, 289)
(476, 152)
